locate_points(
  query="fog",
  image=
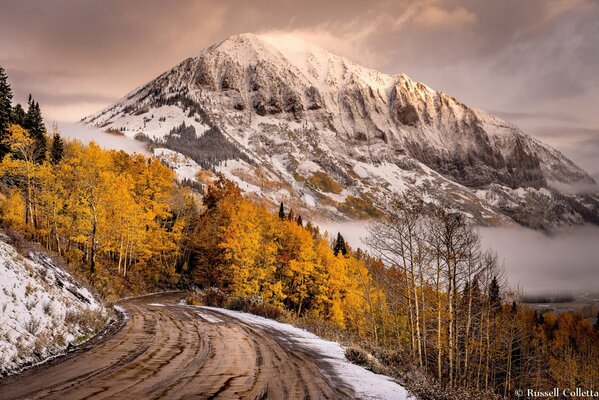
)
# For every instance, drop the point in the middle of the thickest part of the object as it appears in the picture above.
(353, 232)
(86, 134)
(564, 262)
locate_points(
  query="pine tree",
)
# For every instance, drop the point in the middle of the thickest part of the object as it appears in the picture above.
(540, 318)
(18, 115)
(494, 295)
(281, 211)
(5, 111)
(514, 309)
(57, 150)
(299, 220)
(290, 215)
(596, 325)
(339, 246)
(34, 123)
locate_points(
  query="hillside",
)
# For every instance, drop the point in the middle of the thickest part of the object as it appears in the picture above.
(324, 134)
(44, 310)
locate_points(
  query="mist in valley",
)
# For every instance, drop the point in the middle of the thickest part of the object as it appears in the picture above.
(561, 263)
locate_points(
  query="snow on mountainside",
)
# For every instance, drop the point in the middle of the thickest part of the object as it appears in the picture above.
(43, 309)
(325, 134)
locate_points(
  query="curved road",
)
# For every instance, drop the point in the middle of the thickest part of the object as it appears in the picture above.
(171, 351)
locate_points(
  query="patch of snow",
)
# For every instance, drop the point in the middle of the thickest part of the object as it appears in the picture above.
(183, 166)
(232, 168)
(155, 123)
(122, 311)
(210, 318)
(309, 200)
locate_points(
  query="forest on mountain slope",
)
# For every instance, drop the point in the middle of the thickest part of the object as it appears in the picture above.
(426, 300)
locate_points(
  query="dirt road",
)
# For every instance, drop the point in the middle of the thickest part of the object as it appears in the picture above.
(171, 351)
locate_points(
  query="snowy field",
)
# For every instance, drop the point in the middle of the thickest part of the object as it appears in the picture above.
(43, 310)
(366, 384)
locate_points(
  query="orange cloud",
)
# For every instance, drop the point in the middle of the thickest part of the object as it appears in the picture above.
(435, 17)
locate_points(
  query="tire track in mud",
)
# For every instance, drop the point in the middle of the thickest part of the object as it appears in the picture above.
(176, 351)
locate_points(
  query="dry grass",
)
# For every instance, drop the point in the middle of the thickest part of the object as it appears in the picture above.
(325, 183)
(358, 208)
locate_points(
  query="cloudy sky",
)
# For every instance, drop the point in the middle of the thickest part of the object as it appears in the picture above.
(533, 62)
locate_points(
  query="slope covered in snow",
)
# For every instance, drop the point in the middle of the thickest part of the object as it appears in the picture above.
(315, 128)
(43, 310)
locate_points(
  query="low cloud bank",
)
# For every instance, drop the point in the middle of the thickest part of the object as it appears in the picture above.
(353, 232)
(564, 262)
(87, 134)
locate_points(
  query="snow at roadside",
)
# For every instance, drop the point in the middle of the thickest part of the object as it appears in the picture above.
(366, 384)
(42, 310)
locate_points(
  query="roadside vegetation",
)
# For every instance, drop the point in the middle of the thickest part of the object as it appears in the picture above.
(425, 305)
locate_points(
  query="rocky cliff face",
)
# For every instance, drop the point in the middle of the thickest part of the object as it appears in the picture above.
(299, 112)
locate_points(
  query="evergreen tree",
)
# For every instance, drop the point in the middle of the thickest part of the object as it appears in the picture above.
(57, 150)
(597, 322)
(34, 123)
(281, 211)
(514, 307)
(540, 318)
(494, 294)
(299, 220)
(339, 245)
(18, 115)
(5, 110)
(290, 215)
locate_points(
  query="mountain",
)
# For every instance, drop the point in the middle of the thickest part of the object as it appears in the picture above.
(289, 121)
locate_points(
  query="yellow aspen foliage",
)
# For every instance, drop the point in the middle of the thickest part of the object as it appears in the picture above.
(12, 209)
(105, 211)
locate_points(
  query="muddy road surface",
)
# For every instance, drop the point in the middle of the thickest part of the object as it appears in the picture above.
(167, 350)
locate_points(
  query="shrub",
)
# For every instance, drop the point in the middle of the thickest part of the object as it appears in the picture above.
(255, 304)
(238, 303)
(266, 310)
(47, 307)
(91, 320)
(194, 298)
(360, 357)
(29, 289)
(114, 131)
(71, 317)
(215, 297)
(357, 356)
(33, 326)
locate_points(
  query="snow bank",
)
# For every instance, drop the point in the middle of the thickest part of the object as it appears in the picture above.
(366, 384)
(42, 310)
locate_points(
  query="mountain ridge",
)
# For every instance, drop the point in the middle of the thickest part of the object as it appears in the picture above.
(299, 110)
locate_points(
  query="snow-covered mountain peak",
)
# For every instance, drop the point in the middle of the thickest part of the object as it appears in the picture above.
(342, 137)
(319, 66)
